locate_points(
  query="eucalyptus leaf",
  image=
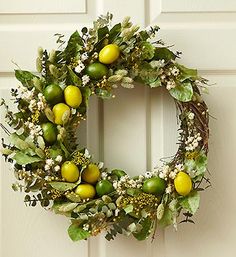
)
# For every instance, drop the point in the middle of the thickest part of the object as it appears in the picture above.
(129, 208)
(24, 159)
(182, 92)
(6, 151)
(41, 142)
(62, 186)
(191, 202)
(67, 207)
(76, 233)
(73, 197)
(40, 153)
(18, 142)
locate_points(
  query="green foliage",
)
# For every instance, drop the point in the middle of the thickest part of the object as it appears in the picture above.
(182, 92)
(167, 217)
(18, 142)
(163, 53)
(63, 186)
(73, 79)
(23, 159)
(74, 45)
(76, 233)
(186, 73)
(147, 50)
(147, 225)
(191, 202)
(25, 77)
(114, 32)
(129, 208)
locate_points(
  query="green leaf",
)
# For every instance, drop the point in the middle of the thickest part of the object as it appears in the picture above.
(186, 73)
(191, 202)
(156, 83)
(74, 45)
(147, 50)
(76, 233)
(114, 32)
(67, 207)
(129, 208)
(104, 94)
(6, 151)
(64, 149)
(201, 163)
(23, 159)
(146, 229)
(102, 32)
(73, 78)
(182, 92)
(18, 142)
(25, 77)
(148, 74)
(133, 191)
(163, 53)
(73, 197)
(86, 93)
(62, 186)
(167, 218)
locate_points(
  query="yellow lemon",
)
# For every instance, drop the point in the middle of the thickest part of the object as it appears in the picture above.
(183, 183)
(85, 191)
(109, 54)
(91, 174)
(69, 171)
(73, 96)
(59, 111)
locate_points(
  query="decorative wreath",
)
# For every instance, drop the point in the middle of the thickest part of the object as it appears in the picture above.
(54, 172)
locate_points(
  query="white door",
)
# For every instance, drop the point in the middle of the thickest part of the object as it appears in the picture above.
(136, 128)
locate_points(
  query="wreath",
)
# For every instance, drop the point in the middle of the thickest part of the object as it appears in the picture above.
(45, 156)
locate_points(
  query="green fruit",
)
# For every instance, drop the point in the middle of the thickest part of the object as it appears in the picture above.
(49, 132)
(96, 70)
(104, 187)
(53, 94)
(155, 186)
(69, 171)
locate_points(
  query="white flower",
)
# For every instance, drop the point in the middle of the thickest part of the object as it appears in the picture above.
(57, 168)
(58, 158)
(148, 174)
(86, 227)
(73, 111)
(168, 189)
(85, 80)
(103, 175)
(174, 71)
(49, 162)
(86, 153)
(100, 164)
(170, 84)
(84, 57)
(47, 167)
(79, 67)
(191, 115)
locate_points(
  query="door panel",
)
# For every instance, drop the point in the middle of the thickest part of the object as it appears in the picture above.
(135, 129)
